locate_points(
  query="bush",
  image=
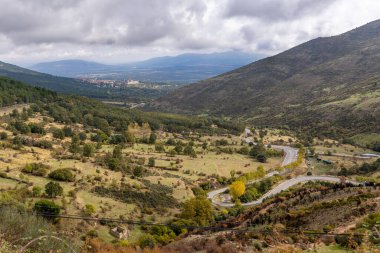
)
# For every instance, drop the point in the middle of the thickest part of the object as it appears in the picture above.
(3, 136)
(88, 150)
(36, 169)
(36, 191)
(58, 133)
(47, 207)
(146, 241)
(89, 209)
(37, 128)
(62, 175)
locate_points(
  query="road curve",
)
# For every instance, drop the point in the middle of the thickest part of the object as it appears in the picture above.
(279, 188)
(291, 155)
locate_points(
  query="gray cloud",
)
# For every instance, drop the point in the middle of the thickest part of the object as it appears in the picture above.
(120, 31)
(276, 10)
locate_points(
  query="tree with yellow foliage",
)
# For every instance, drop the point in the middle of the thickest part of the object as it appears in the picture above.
(237, 189)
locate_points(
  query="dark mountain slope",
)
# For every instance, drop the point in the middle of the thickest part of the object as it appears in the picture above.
(335, 79)
(56, 83)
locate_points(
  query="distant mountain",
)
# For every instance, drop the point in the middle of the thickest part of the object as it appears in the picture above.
(70, 68)
(185, 68)
(323, 83)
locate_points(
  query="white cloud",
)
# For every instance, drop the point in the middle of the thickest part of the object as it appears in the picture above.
(121, 31)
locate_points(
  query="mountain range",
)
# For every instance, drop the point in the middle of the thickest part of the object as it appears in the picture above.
(184, 68)
(325, 83)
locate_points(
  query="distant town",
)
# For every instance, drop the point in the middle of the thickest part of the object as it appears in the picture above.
(127, 83)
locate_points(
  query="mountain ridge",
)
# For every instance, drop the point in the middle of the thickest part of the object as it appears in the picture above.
(183, 68)
(308, 79)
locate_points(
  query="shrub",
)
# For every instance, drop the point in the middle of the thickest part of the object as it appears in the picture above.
(36, 191)
(3, 135)
(88, 150)
(58, 133)
(62, 175)
(146, 241)
(37, 128)
(47, 207)
(89, 209)
(36, 169)
(151, 162)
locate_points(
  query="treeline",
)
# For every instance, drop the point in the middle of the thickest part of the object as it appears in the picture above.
(14, 92)
(363, 169)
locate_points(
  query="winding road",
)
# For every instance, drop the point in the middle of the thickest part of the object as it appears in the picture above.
(291, 155)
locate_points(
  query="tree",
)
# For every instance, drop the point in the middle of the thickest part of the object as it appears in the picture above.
(261, 158)
(58, 133)
(152, 138)
(172, 152)
(53, 189)
(88, 150)
(159, 148)
(178, 148)
(82, 136)
(151, 162)
(204, 145)
(198, 209)
(138, 171)
(257, 149)
(189, 150)
(237, 189)
(129, 137)
(117, 152)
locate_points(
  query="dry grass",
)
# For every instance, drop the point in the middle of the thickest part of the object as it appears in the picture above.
(96, 246)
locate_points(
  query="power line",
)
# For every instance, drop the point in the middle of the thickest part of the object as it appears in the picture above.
(210, 228)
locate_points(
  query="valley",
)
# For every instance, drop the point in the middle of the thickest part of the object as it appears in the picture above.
(163, 127)
(99, 162)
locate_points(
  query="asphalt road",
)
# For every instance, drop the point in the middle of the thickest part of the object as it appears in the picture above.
(279, 188)
(291, 155)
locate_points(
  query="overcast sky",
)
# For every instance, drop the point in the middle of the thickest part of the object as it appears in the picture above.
(117, 31)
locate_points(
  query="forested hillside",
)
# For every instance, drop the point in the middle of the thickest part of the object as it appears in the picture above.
(75, 109)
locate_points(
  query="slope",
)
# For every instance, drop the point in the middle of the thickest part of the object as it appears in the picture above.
(332, 80)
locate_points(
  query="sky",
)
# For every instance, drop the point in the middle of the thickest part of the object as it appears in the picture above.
(120, 31)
